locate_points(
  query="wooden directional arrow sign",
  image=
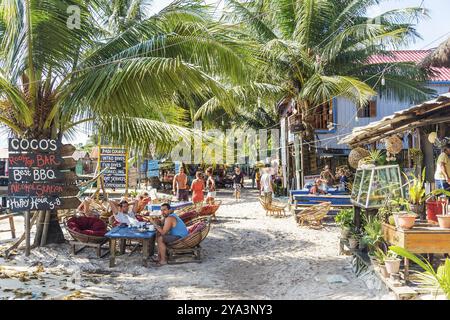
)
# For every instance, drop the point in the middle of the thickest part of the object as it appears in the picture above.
(69, 203)
(67, 150)
(67, 163)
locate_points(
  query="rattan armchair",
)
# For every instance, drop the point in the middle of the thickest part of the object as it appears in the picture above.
(189, 247)
(314, 215)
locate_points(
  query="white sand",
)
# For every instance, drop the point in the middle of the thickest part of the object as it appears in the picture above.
(247, 255)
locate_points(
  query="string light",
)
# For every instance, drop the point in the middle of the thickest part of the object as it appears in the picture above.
(383, 81)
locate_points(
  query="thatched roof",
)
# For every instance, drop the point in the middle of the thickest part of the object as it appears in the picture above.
(440, 57)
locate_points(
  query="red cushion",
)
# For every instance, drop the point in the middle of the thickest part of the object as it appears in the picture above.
(196, 227)
(87, 225)
(208, 209)
(93, 233)
(188, 216)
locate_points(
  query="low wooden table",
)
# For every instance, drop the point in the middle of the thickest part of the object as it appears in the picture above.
(422, 238)
(122, 233)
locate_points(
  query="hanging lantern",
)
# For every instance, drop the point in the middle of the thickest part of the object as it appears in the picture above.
(356, 155)
(432, 137)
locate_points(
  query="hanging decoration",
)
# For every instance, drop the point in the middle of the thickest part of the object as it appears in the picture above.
(393, 146)
(432, 137)
(356, 155)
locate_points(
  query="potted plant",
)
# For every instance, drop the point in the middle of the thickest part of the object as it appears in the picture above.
(353, 241)
(374, 158)
(344, 219)
(437, 280)
(373, 235)
(392, 262)
(435, 206)
(444, 218)
(380, 257)
(404, 219)
(416, 191)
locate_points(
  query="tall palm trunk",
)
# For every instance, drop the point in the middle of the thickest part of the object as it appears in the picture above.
(309, 153)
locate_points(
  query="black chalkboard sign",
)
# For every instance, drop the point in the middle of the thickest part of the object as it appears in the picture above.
(115, 159)
(33, 145)
(34, 160)
(34, 203)
(35, 179)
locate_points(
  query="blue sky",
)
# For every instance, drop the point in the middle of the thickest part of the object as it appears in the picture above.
(432, 30)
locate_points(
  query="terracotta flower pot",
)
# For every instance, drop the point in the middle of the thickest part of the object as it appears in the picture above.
(406, 221)
(384, 271)
(392, 265)
(396, 220)
(444, 221)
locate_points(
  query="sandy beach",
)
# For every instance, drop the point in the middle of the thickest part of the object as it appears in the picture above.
(247, 255)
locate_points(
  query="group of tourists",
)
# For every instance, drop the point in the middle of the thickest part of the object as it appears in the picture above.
(198, 186)
(328, 180)
(202, 184)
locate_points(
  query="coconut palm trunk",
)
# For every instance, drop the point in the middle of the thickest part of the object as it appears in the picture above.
(122, 79)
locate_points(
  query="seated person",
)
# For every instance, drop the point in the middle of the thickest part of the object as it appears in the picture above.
(122, 214)
(172, 230)
(86, 209)
(343, 180)
(141, 202)
(315, 189)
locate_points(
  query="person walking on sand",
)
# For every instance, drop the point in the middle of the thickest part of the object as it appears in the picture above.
(180, 185)
(210, 186)
(197, 188)
(266, 185)
(238, 183)
(258, 180)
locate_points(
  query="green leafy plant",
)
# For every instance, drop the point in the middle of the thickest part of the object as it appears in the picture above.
(430, 279)
(373, 235)
(402, 204)
(380, 256)
(344, 218)
(416, 188)
(375, 156)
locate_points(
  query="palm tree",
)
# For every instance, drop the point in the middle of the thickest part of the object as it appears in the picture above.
(316, 50)
(123, 78)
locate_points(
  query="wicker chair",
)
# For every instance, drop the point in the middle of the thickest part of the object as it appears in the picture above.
(272, 208)
(85, 240)
(189, 247)
(212, 209)
(314, 214)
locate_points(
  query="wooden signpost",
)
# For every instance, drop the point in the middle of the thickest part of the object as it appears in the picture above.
(41, 179)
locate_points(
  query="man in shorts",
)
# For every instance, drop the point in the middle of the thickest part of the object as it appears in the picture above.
(180, 185)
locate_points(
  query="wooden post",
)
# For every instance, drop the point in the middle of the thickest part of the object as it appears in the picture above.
(39, 227)
(45, 229)
(297, 160)
(11, 225)
(302, 172)
(27, 233)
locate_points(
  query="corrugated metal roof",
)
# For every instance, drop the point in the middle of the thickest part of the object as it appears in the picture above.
(372, 128)
(417, 56)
